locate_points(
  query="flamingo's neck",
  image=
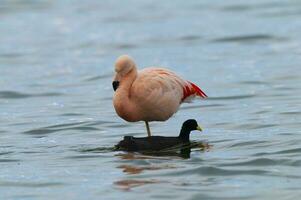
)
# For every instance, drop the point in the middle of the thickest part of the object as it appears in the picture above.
(123, 104)
(127, 81)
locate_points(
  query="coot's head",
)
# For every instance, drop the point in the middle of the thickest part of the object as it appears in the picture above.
(191, 124)
(188, 126)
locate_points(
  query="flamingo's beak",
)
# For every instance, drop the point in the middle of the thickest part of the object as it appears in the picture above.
(199, 128)
(115, 85)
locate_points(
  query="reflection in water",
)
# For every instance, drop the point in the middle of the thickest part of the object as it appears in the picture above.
(177, 152)
(129, 184)
(131, 169)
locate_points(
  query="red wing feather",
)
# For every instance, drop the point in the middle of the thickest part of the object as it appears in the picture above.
(192, 89)
(198, 90)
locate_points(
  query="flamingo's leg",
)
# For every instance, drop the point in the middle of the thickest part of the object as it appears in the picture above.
(147, 128)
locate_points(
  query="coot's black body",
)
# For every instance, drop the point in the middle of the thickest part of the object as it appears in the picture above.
(156, 143)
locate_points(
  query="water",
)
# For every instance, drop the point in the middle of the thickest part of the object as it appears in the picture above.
(58, 125)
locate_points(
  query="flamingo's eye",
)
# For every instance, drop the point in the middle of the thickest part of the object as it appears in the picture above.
(115, 85)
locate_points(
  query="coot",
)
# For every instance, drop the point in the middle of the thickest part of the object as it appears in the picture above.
(157, 143)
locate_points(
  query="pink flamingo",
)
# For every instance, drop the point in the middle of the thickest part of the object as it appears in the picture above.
(152, 94)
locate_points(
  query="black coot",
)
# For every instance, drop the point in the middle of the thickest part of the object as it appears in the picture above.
(156, 143)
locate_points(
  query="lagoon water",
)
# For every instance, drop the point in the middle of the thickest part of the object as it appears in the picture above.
(58, 125)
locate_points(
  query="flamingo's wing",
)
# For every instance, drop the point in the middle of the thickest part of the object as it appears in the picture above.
(159, 86)
(159, 93)
(156, 86)
(157, 81)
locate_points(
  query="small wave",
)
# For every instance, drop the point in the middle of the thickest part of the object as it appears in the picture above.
(190, 38)
(248, 143)
(20, 95)
(218, 171)
(10, 6)
(254, 83)
(296, 163)
(289, 151)
(29, 184)
(255, 126)
(71, 114)
(11, 55)
(5, 153)
(248, 7)
(44, 131)
(286, 151)
(99, 77)
(248, 38)
(260, 162)
(291, 113)
(83, 156)
(131, 183)
(97, 150)
(9, 160)
(40, 131)
(107, 46)
(81, 126)
(200, 106)
(65, 125)
(231, 97)
(13, 95)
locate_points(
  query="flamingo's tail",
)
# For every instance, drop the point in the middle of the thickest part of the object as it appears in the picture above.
(191, 90)
(198, 90)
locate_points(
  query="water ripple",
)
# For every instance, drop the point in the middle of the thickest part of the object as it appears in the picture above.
(260, 162)
(83, 156)
(254, 82)
(65, 125)
(248, 38)
(9, 160)
(232, 97)
(8, 7)
(190, 38)
(248, 7)
(291, 113)
(7, 152)
(287, 151)
(19, 95)
(29, 184)
(98, 77)
(200, 106)
(255, 126)
(241, 144)
(71, 114)
(61, 127)
(217, 171)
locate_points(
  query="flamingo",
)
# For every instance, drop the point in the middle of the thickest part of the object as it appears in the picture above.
(151, 94)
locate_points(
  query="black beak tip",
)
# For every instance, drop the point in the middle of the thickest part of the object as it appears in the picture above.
(115, 85)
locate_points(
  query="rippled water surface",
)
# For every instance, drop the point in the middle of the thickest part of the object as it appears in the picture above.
(58, 125)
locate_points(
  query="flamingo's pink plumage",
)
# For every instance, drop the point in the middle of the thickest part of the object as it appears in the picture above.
(152, 94)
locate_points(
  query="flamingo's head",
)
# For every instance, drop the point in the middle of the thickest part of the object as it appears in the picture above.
(123, 66)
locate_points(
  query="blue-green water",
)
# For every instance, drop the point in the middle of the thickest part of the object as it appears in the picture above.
(57, 122)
